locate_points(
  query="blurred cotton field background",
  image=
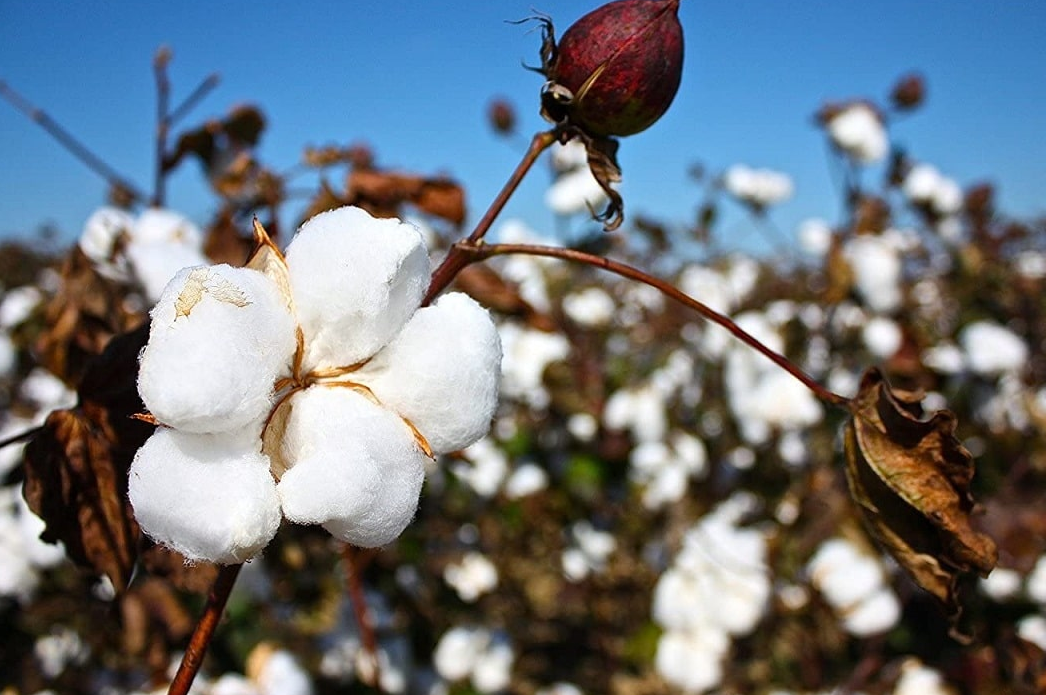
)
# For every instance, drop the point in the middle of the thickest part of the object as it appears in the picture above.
(657, 508)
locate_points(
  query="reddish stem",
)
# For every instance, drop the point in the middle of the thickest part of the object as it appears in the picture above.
(355, 564)
(457, 259)
(205, 627)
(478, 252)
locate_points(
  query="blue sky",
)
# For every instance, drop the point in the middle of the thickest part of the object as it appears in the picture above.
(414, 79)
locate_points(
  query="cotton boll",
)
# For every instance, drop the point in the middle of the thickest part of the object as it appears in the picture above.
(527, 479)
(354, 467)
(527, 353)
(8, 356)
(758, 187)
(485, 467)
(691, 660)
(219, 338)
(1002, 584)
(457, 652)
(877, 271)
(574, 192)
(858, 131)
(46, 391)
(560, 688)
(815, 237)
(917, 679)
(992, 349)
(474, 576)
(441, 372)
(356, 280)
(100, 239)
(569, 156)
(874, 615)
(844, 574)
(18, 304)
(281, 674)
(210, 497)
(591, 307)
(163, 226)
(155, 264)
(233, 684)
(1032, 628)
(882, 337)
(493, 669)
(1035, 583)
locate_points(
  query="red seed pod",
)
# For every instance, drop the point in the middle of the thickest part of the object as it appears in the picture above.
(616, 70)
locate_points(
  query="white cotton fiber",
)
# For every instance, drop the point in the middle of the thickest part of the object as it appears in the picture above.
(219, 338)
(210, 497)
(155, 264)
(441, 372)
(356, 280)
(100, 239)
(162, 226)
(355, 466)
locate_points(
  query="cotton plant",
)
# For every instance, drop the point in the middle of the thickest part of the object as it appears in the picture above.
(307, 387)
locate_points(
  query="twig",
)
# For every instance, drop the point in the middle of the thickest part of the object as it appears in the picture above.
(163, 94)
(70, 143)
(201, 636)
(179, 111)
(456, 259)
(477, 252)
(355, 563)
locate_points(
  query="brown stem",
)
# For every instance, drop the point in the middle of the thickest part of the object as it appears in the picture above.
(457, 259)
(163, 95)
(201, 636)
(478, 252)
(69, 142)
(209, 83)
(355, 564)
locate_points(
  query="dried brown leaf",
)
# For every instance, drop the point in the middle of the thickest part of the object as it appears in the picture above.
(911, 479)
(76, 466)
(383, 194)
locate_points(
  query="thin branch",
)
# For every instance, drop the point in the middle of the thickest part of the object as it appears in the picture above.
(201, 636)
(163, 96)
(20, 436)
(355, 564)
(70, 143)
(456, 259)
(478, 252)
(187, 104)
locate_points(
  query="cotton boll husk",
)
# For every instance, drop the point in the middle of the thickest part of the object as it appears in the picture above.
(356, 280)
(692, 660)
(354, 466)
(441, 372)
(208, 496)
(213, 370)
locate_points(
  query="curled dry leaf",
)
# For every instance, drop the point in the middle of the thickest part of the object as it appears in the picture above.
(383, 193)
(911, 479)
(76, 467)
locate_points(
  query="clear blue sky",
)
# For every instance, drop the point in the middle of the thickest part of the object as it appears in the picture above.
(414, 79)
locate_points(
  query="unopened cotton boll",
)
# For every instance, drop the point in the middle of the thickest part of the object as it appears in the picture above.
(440, 372)
(356, 281)
(210, 497)
(353, 466)
(219, 338)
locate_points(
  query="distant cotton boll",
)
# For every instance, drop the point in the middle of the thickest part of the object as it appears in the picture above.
(917, 679)
(474, 576)
(219, 337)
(99, 240)
(154, 264)
(583, 426)
(1032, 628)
(493, 670)
(882, 337)
(691, 660)
(18, 304)
(575, 192)
(1030, 264)
(815, 237)
(356, 281)
(527, 353)
(526, 480)
(792, 449)
(854, 585)
(858, 131)
(353, 466)
(572, 155)
(590, 552)
(221, 478)
(58, 650)
(486, 467)
(163, 226)
(992, 349)
(575, 565)
(560, 689)
(1002, 584)
(876, 614)
(877, 269)
(233, 684)
(709, 287)
(591, 307)
(458, 651)
(46, 391)
(945, 358)
(759, 187)
(921, 183)
(281, 674)
(1035, 585)
(640, 410)
(40, 553)
(417, 381)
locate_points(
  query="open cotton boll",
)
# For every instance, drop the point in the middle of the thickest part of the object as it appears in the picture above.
(162, 226)
(219, 338)
(156, 263)
(859, 132)
(441, 372)
(99, 238)
(356, 280)
(354, 467)
(692, 660)
(210, 497)
(575, 191)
